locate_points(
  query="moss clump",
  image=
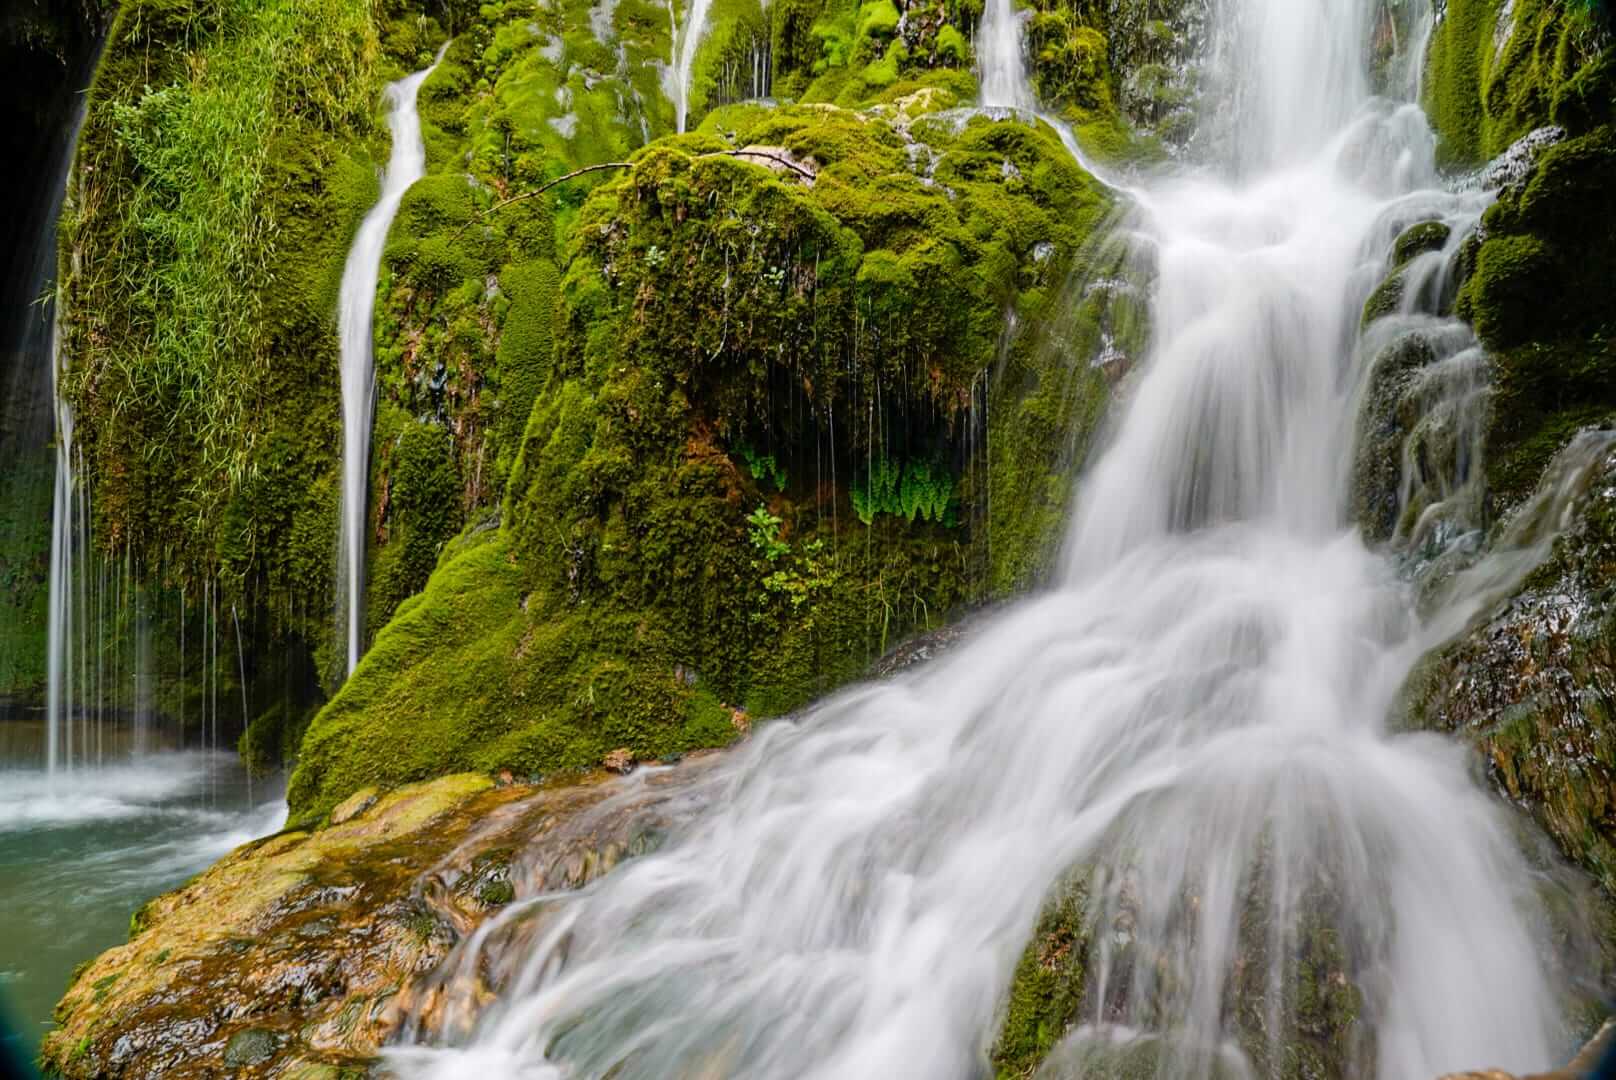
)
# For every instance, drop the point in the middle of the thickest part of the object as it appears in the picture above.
(1122, 72)
(1423, 238)
(225, 160)
(1046, 992)
(736, 350)
(1494, 74)
(1536, 300)
(1419, 239)
(1530, 685)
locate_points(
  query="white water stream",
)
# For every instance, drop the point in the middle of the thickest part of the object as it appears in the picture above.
(686, 43)
(1194, 717)
(70, 519)
(356, 308)
(1005, 83)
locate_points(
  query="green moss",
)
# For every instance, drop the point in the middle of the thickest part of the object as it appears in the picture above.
(1418, 239)
(222, 170)
(178, 172)
(877, 19)
(1550, 68)
(1046, 992)
(526, 343)
(722, 332)
(1536, 299)
(25, 512)
(419, 508)
(496, 893)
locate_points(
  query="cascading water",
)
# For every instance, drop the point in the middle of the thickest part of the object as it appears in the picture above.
(405, 165)
(70, 519)
(999, 50)
(1005, 83)
(1192, 722)
(686, 43)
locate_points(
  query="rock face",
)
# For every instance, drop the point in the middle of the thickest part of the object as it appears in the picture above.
(300, 954)
(1533, 685)
(1531, 682)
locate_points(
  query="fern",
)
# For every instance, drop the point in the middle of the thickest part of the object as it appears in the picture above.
(918, 489)
(763, 466)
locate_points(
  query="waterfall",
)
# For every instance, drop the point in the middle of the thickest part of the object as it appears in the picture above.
(1001, 57)
(686, 42)
(405, 165)
(66, 528)
(70, 518)
(1192, 720)
(1006, 83)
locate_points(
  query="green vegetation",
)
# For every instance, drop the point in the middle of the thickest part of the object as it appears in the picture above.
(599, 387)
(679, 535)
(230, 153)
(1488, 83)
(1536, 298)
(1046, 992)
(222, 166)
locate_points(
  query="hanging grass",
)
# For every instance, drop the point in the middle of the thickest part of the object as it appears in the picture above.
(185, 249)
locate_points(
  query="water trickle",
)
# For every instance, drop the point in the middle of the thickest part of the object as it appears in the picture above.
(66, 617)
(1006, 84)
(405, 165)
(681, 70)
(1192, 722)
(1001, 56)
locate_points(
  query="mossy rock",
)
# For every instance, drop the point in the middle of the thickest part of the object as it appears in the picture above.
(713, 313)
(1495, 71)
(1535, 299)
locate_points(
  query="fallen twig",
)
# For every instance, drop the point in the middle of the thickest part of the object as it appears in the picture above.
(547, 185)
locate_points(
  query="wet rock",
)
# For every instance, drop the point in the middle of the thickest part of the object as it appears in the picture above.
(354, 805)
(1532, 685)
(1418, 239)
(1386, 417)
(253, 1046)
(300, 954)
(926, 647)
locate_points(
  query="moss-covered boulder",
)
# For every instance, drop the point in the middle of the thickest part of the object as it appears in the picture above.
(1536, 298)
(764, 425)
(1091, 996)
(1496, 69)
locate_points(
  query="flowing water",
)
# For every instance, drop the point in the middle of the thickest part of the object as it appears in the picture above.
(80, 852)
(1005, 84)
(686, 43)
(356, 307)
(1193, 719)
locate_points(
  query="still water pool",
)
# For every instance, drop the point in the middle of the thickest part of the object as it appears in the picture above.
(79, 852)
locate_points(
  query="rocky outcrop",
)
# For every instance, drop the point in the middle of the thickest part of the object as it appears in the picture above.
(1533, 685)
(1531, 681)
(301, 954)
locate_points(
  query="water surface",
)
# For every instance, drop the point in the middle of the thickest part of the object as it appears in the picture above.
(81, 851)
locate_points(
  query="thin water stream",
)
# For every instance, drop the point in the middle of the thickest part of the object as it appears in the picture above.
(681, 71)
(356, 310)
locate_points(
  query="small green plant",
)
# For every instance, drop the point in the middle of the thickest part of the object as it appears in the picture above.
(496, 893)
(764, 532)
(918, 489)
(793, 574)
(764, 467)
